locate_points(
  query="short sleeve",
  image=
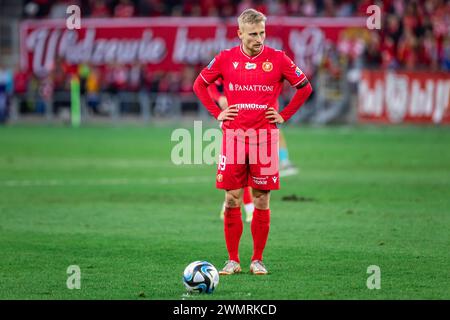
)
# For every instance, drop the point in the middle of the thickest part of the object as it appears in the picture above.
(213, 70)
(291, 72)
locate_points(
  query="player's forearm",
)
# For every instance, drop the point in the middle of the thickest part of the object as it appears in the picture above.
(214, 92)
(201, 90)
(296, 102)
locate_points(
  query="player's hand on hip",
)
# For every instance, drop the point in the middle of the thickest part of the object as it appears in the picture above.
(228, 114)
(273, 116)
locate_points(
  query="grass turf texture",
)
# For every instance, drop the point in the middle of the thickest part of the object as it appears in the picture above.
(110, 201)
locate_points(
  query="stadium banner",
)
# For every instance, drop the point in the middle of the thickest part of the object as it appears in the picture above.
(404, 97)
(169, 43)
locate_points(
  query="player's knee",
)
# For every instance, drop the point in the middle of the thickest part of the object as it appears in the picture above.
(232, 200)
(261, 199)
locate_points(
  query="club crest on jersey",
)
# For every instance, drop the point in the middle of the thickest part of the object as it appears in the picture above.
(267, 66)
(235, 64)
(250, 66)
(298, 72)
(211, 63)
(219, 177)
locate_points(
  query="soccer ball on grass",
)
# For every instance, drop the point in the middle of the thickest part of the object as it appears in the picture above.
(200, 276)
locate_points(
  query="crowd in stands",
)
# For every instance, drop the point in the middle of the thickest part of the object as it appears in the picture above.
(415, 35)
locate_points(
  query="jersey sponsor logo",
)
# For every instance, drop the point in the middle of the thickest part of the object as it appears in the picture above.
(259, 180)
(230, 87)
(250, 66)
(235, 64)
(267, 66)
(211, 63)
(251, 87)
(250, 106)
(298, 72)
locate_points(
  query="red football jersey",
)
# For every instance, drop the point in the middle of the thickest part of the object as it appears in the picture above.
(252, 83)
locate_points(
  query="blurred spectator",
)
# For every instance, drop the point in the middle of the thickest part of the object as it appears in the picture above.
(187, 79)
(45, 92)
(99, 9)
(345, 8)
(308, 8)
(294, 8)
(124, 9)
(372, 54)
(407, 50)
(151, 8)
(154, 78)
(21, 81)
(209, 8)
(398, 7)
(276, 8)
(58, 9)
(392, 29)
(136, 77)
(93, 90)
(116, 77)
(227, 9)
(388, 53)
(61, 79)
(6, 89)
(245, 4)
(445, 56)
(192, 9)
(429, 55)
(411, 18)
(328, 10)
(83, 73)
(362, 7)
(37, 8)
(169, 82)
(260, 5)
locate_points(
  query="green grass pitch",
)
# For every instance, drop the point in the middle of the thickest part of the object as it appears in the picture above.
(109, 200)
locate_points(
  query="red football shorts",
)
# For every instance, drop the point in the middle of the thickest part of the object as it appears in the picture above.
(249, 158)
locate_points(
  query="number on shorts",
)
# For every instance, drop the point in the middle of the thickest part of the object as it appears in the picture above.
(222, 162)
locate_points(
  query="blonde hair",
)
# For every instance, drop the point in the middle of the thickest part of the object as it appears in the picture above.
(251, 16)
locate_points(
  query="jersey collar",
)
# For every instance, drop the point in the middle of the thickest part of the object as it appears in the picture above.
(251, 57)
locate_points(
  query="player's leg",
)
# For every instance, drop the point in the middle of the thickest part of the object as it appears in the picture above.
(248, 204)
(286, 166)
(232, 176)
(264, 177)
(233, 227)
(247, 200)
(260, 229)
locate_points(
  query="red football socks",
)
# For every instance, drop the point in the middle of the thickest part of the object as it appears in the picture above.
(233, 230)
(260, 231)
